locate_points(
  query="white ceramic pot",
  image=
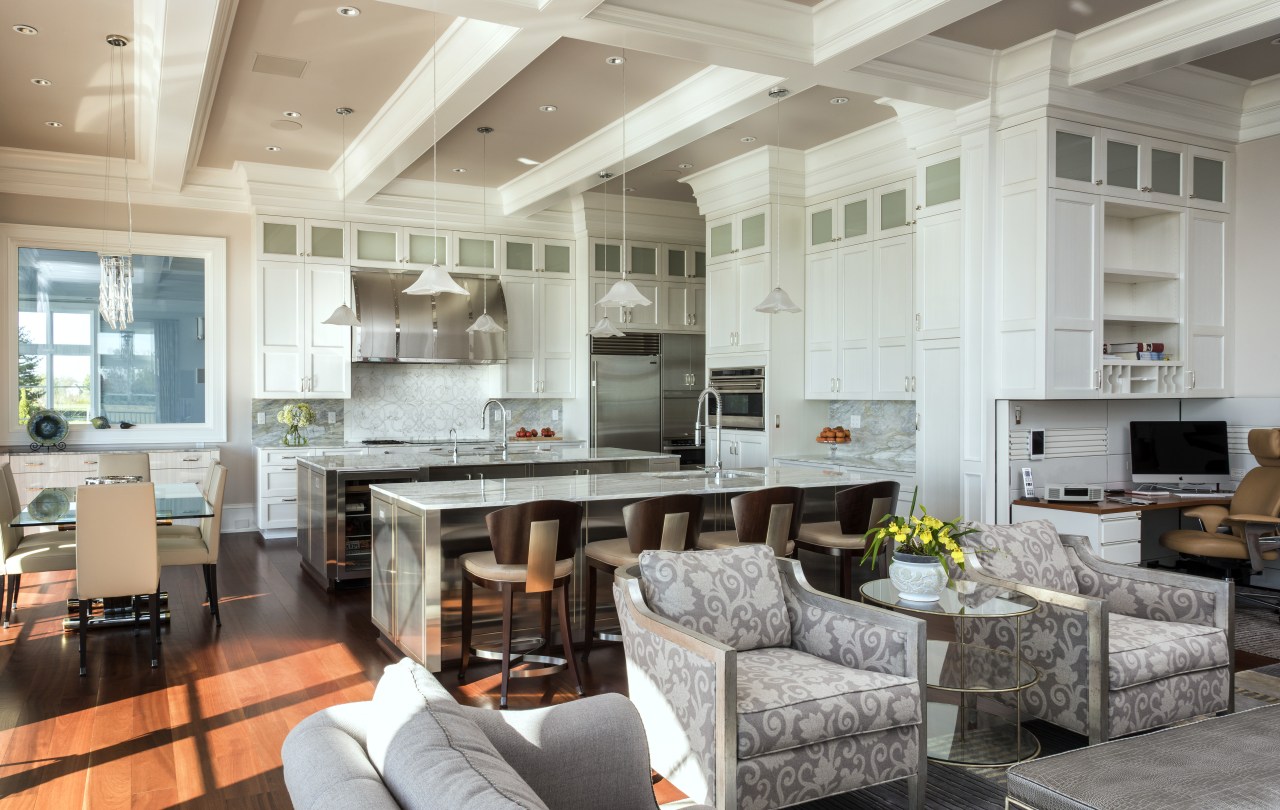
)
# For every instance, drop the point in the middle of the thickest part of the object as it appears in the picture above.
(918, 578)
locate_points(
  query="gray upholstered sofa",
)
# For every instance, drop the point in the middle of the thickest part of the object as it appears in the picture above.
(413, 746)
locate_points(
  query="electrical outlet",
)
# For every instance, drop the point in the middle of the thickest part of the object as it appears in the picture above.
(333, 418)
(555, 414)
(855, 421)
(262, 418)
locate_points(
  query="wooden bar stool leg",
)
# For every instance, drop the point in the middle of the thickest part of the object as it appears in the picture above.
(589, 620)
(508, 594)
(465, 657)
(566, 635)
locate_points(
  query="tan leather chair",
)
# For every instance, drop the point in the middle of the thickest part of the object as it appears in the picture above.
(198, 545)
(770, 516)
(134, 464)
(23, 553)
(116, 552)
(1244, 535)
(858, 509)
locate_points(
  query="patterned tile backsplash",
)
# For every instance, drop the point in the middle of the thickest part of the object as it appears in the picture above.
(411, 402)
(887, 429)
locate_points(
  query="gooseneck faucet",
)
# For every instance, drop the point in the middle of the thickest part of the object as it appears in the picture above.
(484, 420)
(453, 434)
(706, 396)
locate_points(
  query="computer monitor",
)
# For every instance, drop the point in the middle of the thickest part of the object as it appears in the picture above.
(1179, 452)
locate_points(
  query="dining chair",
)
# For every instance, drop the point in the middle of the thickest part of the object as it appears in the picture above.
(122, 464)
(22, 553)
(198, 545)
(116, 553)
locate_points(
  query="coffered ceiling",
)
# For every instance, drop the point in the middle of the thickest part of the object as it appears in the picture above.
(210, 81)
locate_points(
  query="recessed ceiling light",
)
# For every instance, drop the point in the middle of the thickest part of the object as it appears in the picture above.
(748, 139)
(840, 100)
(548, 108)
(459, 170)
(291, 114)
(527, 161)
(615, 60)
(273, 149)
(26, 29)
(54, 124)
(349, 11)
(42, 82)
(684, 166)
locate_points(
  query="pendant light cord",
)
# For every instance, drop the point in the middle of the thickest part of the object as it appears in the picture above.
(435, 142)
(484, 206)
(622, 250)
(124, 157)
(777, 213)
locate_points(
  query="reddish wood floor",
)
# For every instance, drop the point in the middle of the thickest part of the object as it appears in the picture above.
(205, 728)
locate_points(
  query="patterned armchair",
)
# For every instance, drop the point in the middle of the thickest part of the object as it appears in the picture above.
(1120, 649)
(758, 691)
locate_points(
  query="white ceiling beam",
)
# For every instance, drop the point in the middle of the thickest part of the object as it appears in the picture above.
(1166, 35)
(186, 43)
(719, 95)
(849, 33)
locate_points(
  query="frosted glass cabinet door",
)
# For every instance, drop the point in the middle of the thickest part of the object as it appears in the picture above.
(643, 258)
(279, 238)
(475, 251)
(893, 209)
(720, 238)
(822, 227)
(517, 255)
(855, 219)
(326, 242)
(427, 247)
(1121, 164)
(606, 256)
(753, 235)
(377, 245)
(939, 181)
(557, 257)
(1209, 171)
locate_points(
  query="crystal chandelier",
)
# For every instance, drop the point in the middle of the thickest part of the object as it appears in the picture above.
(115, 288)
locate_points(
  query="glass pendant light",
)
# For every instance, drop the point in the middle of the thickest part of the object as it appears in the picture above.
(115, 286)
(485, 323)
(435, 279)
(343, 315)
(623, 293)
(777, 300)
(604, 327)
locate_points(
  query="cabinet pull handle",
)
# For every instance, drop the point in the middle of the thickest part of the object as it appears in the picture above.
(1193, 379)
(1145, 188)
(906, 383)
(1097, 378)
(185, 459)
(288, 500)
(91, 462)
(913, 383)
(917, 321)
(919, 207)
(1097, 182)
(1191, 196)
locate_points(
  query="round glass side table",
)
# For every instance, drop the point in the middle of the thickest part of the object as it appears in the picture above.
(959, 732)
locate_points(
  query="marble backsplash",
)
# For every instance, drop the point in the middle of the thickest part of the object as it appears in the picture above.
(411, 402)
(887, 429)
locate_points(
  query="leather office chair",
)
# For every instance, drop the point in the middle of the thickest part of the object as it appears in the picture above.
(134, 464)
(1239, 538)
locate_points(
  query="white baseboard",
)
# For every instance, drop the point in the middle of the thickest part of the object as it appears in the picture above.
(238, 517)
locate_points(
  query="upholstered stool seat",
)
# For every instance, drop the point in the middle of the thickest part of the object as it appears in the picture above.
(858, 510)
(669, 523)
(484, 565)
(828, 534)
(729, 539)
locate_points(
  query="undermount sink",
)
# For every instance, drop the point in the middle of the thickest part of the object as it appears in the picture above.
(703, 475)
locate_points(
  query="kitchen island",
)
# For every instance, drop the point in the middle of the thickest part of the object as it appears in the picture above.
(333, 490)
(421, 529)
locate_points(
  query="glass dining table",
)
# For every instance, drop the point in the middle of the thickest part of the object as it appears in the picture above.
(56, 506)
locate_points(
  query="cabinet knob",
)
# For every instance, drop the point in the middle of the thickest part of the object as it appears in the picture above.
(300, 253)
(1097, 182)
(1146, 188)
(919, 207)
(1191, 196)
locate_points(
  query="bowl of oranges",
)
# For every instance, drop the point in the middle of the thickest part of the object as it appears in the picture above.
(834, 435)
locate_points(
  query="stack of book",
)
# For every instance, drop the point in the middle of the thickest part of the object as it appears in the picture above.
(1134, 351)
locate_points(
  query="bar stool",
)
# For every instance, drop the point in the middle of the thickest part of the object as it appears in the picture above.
(858, 510)
(770, 516)
(534, 545)
(669, 523)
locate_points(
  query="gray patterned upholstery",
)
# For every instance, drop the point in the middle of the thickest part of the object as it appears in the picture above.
(1029, 552)
(1221, 762)
(837, 707)
(733, 595)
(1156, 646)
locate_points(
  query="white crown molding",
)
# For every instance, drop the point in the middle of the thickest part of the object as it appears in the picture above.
(764, 175)
(1261, 116)
(853, 32)
(926, 129)
(720, 95)
(648, 220)
(1165, 35)
(863, 159)
(750, 26)
(931, 71)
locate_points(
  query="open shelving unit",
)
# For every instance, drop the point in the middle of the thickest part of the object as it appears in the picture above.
(1143, 294)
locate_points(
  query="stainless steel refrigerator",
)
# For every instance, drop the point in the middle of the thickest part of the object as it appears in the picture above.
(626, 393)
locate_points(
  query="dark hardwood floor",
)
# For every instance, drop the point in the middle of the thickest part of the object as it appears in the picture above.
(205, 728)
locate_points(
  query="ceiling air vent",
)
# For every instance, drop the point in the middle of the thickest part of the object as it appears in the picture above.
(279, 66)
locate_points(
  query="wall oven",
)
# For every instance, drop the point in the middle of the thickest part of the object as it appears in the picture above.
(742, 394)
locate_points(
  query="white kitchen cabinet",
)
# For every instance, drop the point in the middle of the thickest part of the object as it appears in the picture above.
(893, 209)
(316, 241)
(940, 425)
(474, 252)
(739, 235)
(733, 290)
(739, 449)
(523, 254)
(894, 318)
(1208, 300)
(421, 247)
(684, 306)
(643, 318)
(379, 245)
(644, 259)
(685, 262)
(299, 355)
(1121, 164)
(1209, 173)
(840, 323)
(1074, 319)
(938, 184)
(846, 220)
(939, 275)
(1114, 536)
(540, 337)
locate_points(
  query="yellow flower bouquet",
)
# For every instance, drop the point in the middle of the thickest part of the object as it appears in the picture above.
(921, 535)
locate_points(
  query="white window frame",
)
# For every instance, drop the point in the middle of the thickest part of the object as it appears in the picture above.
(212, 250)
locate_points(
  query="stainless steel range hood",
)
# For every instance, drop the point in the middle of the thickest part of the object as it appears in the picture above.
(399, 328)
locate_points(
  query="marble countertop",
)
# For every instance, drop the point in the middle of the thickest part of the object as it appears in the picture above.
(619, 486)
(402, 457)
(418, 444)
(888, 464)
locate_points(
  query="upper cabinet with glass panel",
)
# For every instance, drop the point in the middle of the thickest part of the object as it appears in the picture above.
(315, 241)
(894, 209)
(738, 236)
(164, 369)
(843, 221)
(938, 182)
(1122, 164)
(526, 254)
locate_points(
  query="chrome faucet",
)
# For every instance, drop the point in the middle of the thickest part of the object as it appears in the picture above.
(484, 421)
(708, 394)
(453, 434)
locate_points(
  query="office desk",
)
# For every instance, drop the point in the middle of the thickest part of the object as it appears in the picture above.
(1114, 529)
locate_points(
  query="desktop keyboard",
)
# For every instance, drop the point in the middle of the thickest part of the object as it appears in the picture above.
(1195, 495)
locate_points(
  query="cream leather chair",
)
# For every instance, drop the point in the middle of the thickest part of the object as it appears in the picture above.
(135, 464)
(116, 552)
(198, 545)
(22, 553)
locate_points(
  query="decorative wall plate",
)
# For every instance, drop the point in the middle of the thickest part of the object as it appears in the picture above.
(47, 429)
